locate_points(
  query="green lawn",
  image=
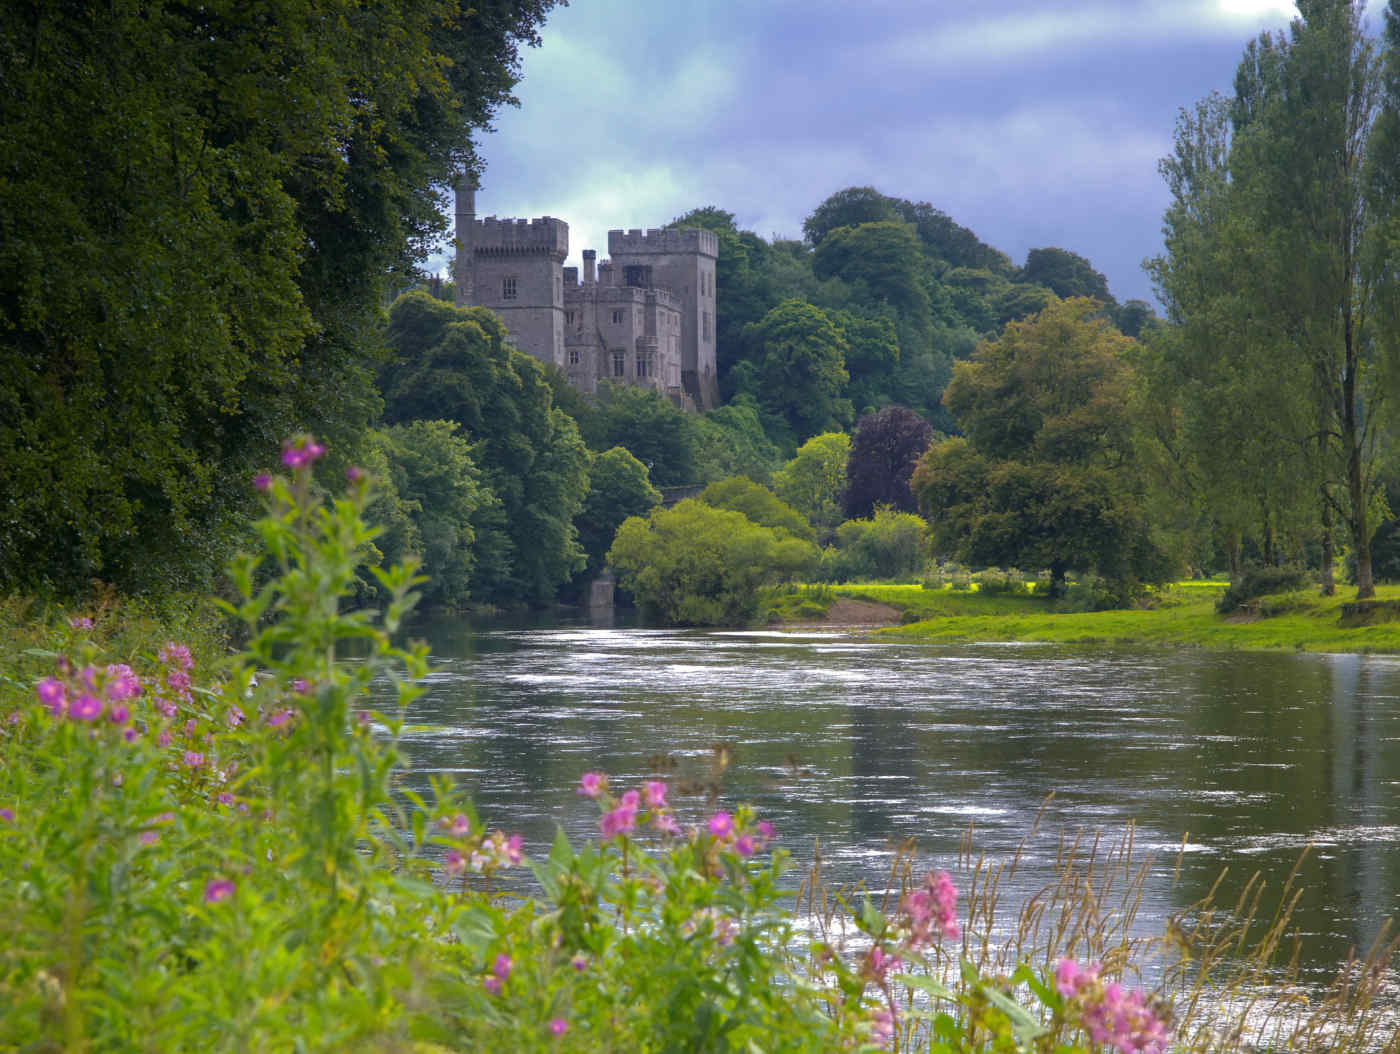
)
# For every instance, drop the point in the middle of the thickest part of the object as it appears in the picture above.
(1182, 616)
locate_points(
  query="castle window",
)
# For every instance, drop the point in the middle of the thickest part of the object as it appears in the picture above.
(574, 357)
(508, 288)
(617, 319)
(644, 364)
(619, 363)
(705, 327)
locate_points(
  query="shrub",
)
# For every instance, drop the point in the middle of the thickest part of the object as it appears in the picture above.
(1261, 581)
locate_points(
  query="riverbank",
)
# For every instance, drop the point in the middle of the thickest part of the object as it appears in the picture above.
(1183, 616)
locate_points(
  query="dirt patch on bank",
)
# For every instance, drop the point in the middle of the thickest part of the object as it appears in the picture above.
(847, 612)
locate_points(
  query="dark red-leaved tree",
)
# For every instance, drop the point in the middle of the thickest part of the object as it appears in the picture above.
(884, 449)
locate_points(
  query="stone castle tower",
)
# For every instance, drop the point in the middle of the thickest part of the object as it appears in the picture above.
(647, 317)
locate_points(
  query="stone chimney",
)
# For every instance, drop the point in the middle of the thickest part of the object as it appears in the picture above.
(590, 266)
(463, 293)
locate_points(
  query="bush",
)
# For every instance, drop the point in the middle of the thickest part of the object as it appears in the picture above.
(1261, 581)
(995, 582)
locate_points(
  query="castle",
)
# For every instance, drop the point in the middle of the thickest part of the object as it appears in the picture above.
(645, 317)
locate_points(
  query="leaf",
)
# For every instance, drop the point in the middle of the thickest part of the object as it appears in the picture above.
(926, 984)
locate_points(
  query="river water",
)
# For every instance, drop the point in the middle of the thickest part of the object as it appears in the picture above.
(861, 742)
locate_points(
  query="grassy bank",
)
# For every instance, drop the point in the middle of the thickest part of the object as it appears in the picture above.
(1183, 616)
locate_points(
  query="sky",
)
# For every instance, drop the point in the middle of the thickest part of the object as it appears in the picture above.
(1032, 123)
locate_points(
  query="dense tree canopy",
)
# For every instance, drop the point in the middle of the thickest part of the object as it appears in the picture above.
(758, 504)
(198, 206)
(801, 368)
(1045, 476)
(618, 487)
(884, 450)
(454, 364)
(815, 479)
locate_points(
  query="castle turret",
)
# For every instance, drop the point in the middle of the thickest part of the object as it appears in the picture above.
(462, 293)
(515, 267)
(590, 266)
(684, 263)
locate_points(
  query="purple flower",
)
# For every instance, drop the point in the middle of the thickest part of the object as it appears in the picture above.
(492, 985)
(301, 452)
(80, 622)
(579, 962)
(7, 815)
(164, 738)
(744, 846)
(354, 474)
(53, 695)
(631, 800)
(234, 716)
(454, 863)
(592, 784)
(87, 707)
(167, 708)
(558, 1026)
(225, 799)
(501, 967)
(262, 481)
(665, 823)
(278, 718)
(193, 759)
(121, 682)
(218, 890)
(176, 655)
(512, 850)
(301, 686)
(119, 714)
(765, 830)
(721, 825)
(129, 733)
(459, 825)
(179, 683)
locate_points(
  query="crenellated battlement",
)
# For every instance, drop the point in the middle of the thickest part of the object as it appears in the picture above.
(667, 240)
(545, 234)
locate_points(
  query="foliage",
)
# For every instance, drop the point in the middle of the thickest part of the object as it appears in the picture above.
(1066, 274)
(431, 492)
(454, 364)
(892, 546)
(758, 504)
(295, 153)
(801, 373)
(886, 261)
(731, 442)
(654, 430)
(813, 481)
(1044, 476)
(884, 450)
(697, 565)
(618, 487)
(1262, 581)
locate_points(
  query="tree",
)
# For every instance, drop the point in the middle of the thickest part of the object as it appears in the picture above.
(813, 481)
(847, 208)
(759, 504)
(1066, 274)
(801, 370)
(697, 565)
(1045, 475)
(884, 450)
(890, 546)
(454, 364)
(298, 156)
(618, 487)
(886, 261)
(433, 493)
(732, 442)
(655, 430)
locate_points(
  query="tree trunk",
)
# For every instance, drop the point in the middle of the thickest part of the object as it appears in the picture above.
(1352, 439)
(1328, 575)
(1232, 549)
(1057, 580)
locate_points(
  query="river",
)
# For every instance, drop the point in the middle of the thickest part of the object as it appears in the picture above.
(861, 742)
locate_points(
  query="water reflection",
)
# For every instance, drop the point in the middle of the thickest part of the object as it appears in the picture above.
(862, 743)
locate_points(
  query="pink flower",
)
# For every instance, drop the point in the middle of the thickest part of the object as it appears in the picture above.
(174, 654)
(492, 985)
(87, 707)
(744, 846)
(631, 800)
(592, 784)
(164, 738)
(459, 825)
(354, 475)
(879, 962)
(53, 695)
(512, 850)
(301, 452)
(122, 683)
(881, 1028)
(765, 829)
(218, 890)
(233, 716)
(618, 821)
(558, 1026)
(262, 481)
(1071, 978)
(454, 863)
(501, 967)
(931, 912)
(721, 825)
(654, 794)
(179, 682)
(665, 823)
(167, 708)
(119, 714)
(278, 718)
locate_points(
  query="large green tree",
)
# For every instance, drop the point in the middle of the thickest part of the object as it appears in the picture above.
(801, 373)
(813, 481)
(455, 364)
(199, 204)
(1045, 475)
(618, 487)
